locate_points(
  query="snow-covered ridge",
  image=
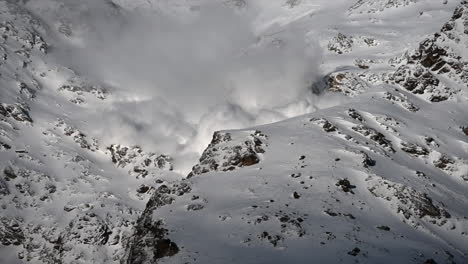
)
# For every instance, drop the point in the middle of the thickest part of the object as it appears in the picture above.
(347, 183)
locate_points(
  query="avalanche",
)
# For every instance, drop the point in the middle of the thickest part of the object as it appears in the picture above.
(338, 131)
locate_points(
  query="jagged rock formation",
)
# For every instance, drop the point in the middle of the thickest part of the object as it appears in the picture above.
(142, 162)
(437, 59)
(225, 153)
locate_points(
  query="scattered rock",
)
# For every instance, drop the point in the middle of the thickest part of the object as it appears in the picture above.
(195, 207)
(296, 195)
(345, 185)
(384, 228)
(354, 252)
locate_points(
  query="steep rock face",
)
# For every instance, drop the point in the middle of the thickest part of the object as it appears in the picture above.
(437, 59)
(149, 241)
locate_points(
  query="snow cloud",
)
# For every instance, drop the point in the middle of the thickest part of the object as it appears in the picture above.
(179, 74)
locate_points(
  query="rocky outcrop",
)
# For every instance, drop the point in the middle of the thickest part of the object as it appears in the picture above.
(78, 137)
(375, 136)
(437, 58)
(226, 153)
(150, 240)
(347, 83)
(78, 87)
(140, 162)
(412, 204)
(22, 27)
(341, 44)
(375, 6)
(17, 112)
(11, 232)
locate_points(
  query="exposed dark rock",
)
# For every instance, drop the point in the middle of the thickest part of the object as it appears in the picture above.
(330, 212)
(77, 136)
(87, 228)
(143, 188)
(414, 149)
(346, 83)
(325, 124)
(16, 111)
(296, 195)
(141, 161)
(384, 228)
(401, 100)
(4, 146)
(164, 162)
(152, 243)
(415, 79)
(80, 86)
(9, 172)
(367, 161)
(195, 207)
(11, 232)
(149, 241)
(273, 239)
(354, 252)
(340, 44)
(345, 185)
(465, 130)
(4, 187)
(354, 114)
(411, 203)
(296, 175)
(181, 188)
(375, 136)
(436, 56)
(165, 248)
(226, 154)
(443, 162)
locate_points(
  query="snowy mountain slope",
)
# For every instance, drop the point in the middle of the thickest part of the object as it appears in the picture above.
(62, 198)
(74, 184)
(379, 179)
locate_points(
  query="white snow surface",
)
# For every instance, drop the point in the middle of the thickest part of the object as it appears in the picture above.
(333, 156)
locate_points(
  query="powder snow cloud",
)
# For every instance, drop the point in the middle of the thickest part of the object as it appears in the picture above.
(180, 75)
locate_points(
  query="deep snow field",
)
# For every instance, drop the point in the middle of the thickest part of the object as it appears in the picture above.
(343, 131)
